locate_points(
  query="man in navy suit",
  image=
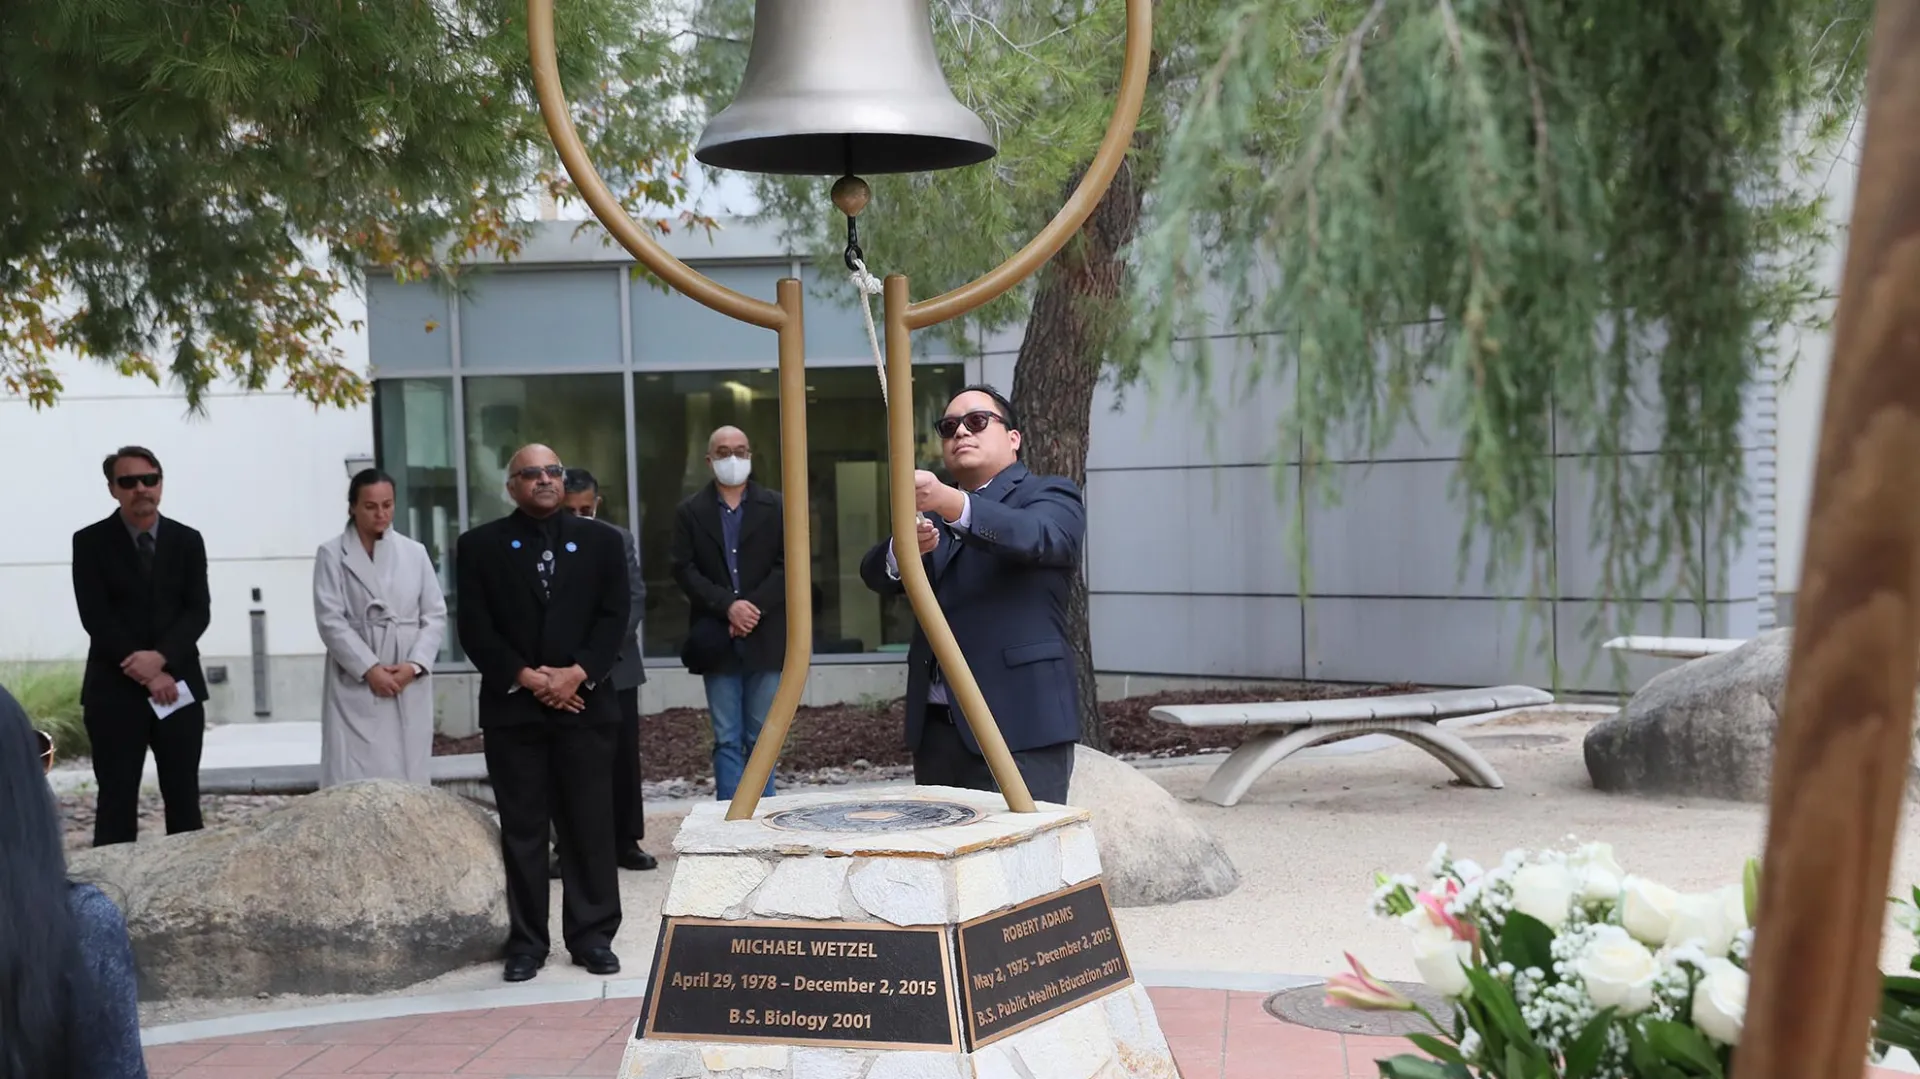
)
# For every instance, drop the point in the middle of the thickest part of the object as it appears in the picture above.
(1001, 550)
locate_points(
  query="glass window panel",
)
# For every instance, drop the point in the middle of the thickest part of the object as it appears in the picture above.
(675, 412)
(407, 327)
(414, 445)
(835, 331)
(669, 328)
(541, 318)
(583, 417)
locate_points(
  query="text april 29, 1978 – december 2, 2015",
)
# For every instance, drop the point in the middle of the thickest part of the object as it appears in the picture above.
(865, 985)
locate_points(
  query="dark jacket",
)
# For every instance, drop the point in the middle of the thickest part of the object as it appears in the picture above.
(629, 667)
(1003, 588)
(700, 569)
(506, 625)
(125, 612)
(106, 1014)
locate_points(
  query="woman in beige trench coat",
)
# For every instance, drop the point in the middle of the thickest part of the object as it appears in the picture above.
(382, 617)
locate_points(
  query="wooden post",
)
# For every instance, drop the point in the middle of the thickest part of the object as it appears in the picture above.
(1841, 756)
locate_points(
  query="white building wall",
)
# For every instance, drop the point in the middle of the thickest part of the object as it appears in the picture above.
(1802, 395)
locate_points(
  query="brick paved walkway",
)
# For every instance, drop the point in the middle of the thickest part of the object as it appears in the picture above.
(1214, 1035)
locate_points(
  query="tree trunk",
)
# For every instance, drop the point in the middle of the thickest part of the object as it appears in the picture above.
(1053, 381)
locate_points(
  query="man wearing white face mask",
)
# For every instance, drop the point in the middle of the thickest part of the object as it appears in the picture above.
(729, 557)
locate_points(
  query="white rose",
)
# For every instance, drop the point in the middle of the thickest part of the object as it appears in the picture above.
(1701, 918)
(1618, 971)
(1646, 910)
(1720, 1002)
(1544, 892)
(1440, 959)
(1598, 873)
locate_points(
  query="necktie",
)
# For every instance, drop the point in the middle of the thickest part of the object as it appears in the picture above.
(145, 544)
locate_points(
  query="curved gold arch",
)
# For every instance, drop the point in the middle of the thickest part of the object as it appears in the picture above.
(902, 317)
(1092, 187)
(566, 140)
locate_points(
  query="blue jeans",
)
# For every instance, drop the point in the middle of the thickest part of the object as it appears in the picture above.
(739, 704)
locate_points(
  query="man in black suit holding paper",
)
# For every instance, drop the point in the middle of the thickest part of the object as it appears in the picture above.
(140, 582)
(543, 613)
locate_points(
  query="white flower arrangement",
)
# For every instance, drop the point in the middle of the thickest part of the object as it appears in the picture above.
(1561, 965)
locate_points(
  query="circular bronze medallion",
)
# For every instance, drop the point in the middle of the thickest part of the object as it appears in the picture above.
(899, 815)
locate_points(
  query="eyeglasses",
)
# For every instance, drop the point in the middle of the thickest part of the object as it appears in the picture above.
(534, 472)
(143, 479)
(723, 452)
(46, 750)
(975, 422)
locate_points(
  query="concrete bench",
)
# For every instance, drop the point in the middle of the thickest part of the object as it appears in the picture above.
(1287, 727)
(1675, 647)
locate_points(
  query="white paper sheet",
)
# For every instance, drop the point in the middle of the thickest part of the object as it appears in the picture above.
(164, 710)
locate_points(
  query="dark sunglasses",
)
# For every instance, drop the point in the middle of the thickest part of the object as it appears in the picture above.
(144, 479)
(975, 421)
(534, 472)
(46, 750)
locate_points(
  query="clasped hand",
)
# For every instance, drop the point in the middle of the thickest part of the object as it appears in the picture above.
(387, 680)
(556, 687)
(149, 668)
(742, 617)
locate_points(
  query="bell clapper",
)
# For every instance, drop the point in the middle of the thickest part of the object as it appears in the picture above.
(850, 196)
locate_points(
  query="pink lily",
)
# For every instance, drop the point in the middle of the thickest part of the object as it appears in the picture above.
(1362, 990)
(1437, 910)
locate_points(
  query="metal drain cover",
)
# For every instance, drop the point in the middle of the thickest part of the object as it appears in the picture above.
(1307, 1007)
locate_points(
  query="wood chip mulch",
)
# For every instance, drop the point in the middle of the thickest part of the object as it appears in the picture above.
(677, 743)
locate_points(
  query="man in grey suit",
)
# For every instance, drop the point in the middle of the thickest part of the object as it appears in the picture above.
(629, 674)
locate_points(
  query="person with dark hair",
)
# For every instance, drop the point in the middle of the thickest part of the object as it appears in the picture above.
(382, 616)
(69, 1003)
(1001, 550)
(140, 582)
(629, 674)
(543, 614)
(730, 558)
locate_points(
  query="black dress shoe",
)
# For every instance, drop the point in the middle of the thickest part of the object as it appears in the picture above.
(521, 968)
(598, 961)
(636, 859)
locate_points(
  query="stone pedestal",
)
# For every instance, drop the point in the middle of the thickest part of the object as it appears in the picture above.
(906, 933)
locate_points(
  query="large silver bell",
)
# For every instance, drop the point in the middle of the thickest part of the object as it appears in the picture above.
(843, 86)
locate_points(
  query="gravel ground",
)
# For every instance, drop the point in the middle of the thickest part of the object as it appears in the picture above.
(76, 811)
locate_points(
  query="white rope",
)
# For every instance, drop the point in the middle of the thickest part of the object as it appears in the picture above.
(868, 286)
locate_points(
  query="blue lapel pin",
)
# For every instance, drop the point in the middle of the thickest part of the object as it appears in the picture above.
(516, 545)
(570, 547)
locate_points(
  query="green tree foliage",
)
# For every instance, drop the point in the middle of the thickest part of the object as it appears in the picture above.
(1552, 214)
(189, 184)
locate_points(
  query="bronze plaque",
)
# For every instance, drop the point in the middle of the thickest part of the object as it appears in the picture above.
(1038, 959)
(854, 985)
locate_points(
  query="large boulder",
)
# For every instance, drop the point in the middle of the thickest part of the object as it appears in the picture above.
(1151, 851)
(359, 888)
(1705, 728)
